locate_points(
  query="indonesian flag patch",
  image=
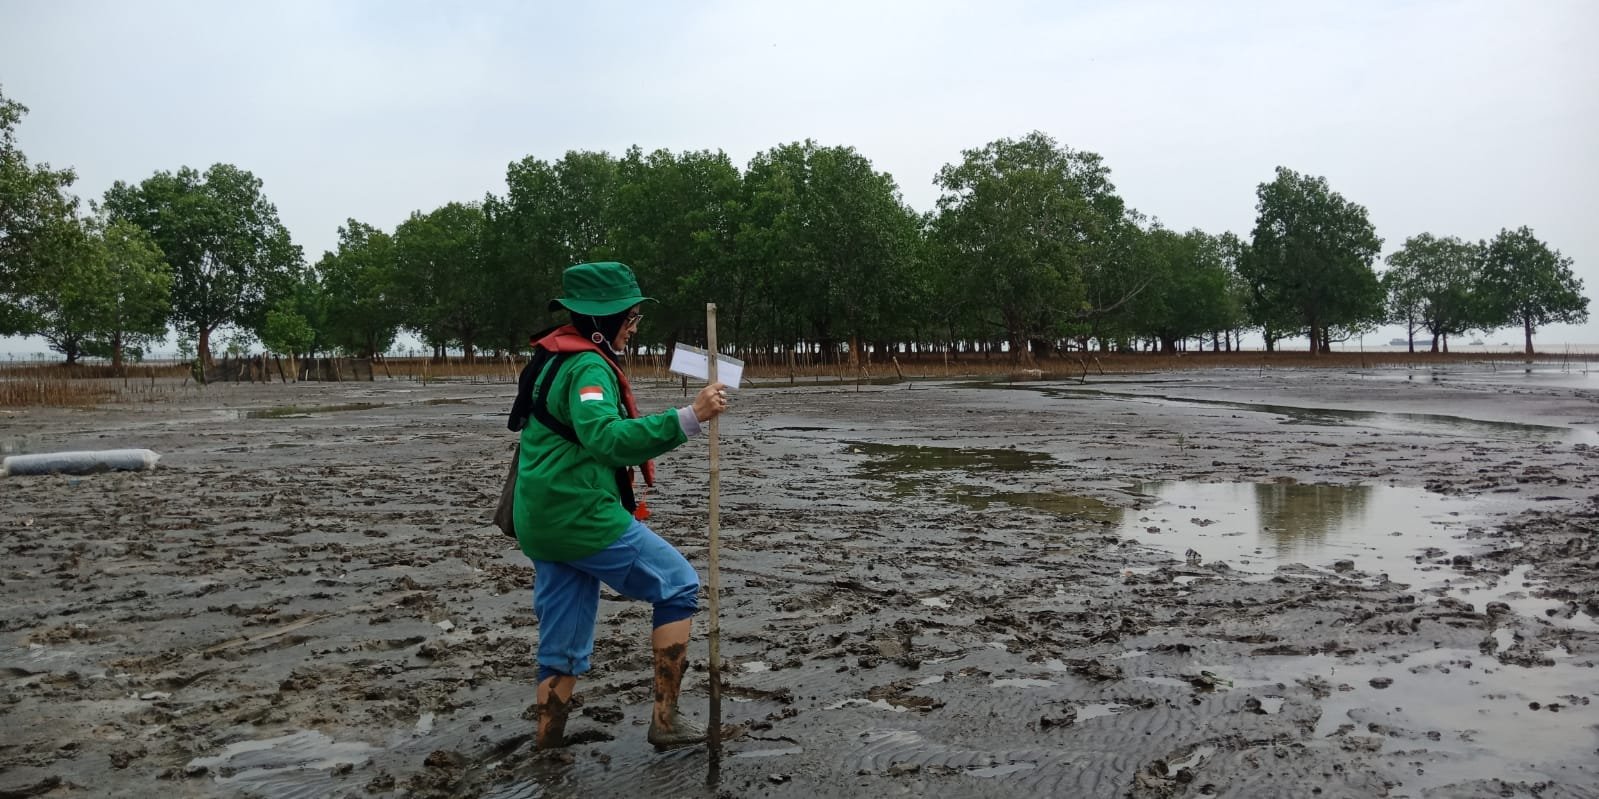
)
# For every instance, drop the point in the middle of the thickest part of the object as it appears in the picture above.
(591, 394)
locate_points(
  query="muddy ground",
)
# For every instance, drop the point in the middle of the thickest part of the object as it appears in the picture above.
(1230, 582)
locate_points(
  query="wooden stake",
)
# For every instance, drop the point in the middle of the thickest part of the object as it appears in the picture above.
(714, 731)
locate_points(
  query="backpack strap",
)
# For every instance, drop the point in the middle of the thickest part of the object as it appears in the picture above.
(541, 403)
(539, 408)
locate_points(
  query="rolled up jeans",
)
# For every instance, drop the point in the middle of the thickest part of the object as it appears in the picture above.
(566, 594)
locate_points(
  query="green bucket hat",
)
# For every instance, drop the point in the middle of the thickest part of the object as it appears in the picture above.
(599, 289)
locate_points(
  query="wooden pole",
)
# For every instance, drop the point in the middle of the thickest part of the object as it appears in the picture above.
(714, 731)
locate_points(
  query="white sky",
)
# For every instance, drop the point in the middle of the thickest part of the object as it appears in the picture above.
(1455, 118)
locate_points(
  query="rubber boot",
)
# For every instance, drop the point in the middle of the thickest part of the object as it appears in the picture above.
(669, 728)
(554, 703)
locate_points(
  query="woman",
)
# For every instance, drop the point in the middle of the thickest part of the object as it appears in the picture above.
(574, 510)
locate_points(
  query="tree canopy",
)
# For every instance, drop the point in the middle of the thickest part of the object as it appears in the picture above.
(37, 225)
(1530, 285)
(808, 250)
(231, 257)
(1311, 259)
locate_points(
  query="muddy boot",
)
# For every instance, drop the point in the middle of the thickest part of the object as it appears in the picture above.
(669, 728)
(554, 703)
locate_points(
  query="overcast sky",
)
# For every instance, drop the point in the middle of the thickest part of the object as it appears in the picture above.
(1454, 118)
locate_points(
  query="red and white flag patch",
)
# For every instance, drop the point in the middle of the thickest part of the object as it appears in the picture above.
(590, 394)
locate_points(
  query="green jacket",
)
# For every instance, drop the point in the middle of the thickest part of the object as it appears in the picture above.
(567, 503)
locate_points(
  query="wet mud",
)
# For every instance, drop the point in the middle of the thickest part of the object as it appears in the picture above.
(1223, 583)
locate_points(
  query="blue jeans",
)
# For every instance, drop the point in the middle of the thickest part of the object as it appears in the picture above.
(566, 595)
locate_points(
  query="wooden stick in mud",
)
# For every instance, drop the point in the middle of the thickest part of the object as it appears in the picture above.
(714, 729)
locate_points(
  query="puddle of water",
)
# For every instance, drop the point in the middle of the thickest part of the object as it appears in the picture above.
(999, 771)
(1419, 422)
(1264, 525)
(1470, 707)
(935, 602)
(1571, 375)
(295, 765)
(1430, 423)
(1515, 589)
(1255, 528)
(873, 703)
(288, 411)
(756, 667)
(1059, 504)
(789, 750)
(1094, 710)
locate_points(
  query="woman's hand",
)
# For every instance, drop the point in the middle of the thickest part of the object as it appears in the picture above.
(710, 402)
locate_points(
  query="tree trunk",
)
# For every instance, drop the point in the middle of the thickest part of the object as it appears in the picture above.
(116, 352)
(1526, 326)
(1446, 343)
(1168, 345)
(203, 346)
(1435, 342)
(1019, 352)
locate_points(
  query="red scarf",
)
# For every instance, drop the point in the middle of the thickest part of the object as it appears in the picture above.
(566, 339)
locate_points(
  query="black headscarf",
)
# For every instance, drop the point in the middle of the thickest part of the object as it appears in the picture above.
(607, 326)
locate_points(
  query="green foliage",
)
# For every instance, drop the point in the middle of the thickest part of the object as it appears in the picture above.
(442, 276)
(231, 257)
(1189, 293)
(359, 287)
(807, 249)
(1436, 283)
(285, 330)
(825, 252)
(1530, 285)
(1310, 260)
(1020, 224)
(675, 218)
(98, 288)
(37, 223)
(552, 216)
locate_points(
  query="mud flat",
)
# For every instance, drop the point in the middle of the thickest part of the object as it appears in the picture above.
(1230, 583)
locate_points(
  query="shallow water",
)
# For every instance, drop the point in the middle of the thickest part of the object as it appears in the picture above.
(294, 766)
(1467, 706)
(1259, 526)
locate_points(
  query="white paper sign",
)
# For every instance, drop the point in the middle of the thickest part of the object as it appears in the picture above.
(694, 362)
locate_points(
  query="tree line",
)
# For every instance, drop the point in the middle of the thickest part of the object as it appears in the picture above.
(807, 250)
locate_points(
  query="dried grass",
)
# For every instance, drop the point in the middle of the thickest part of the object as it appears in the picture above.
(56, 385)
(19, 392)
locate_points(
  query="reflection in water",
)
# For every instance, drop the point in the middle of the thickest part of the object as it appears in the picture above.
(1314, 523)
(1302, 517)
